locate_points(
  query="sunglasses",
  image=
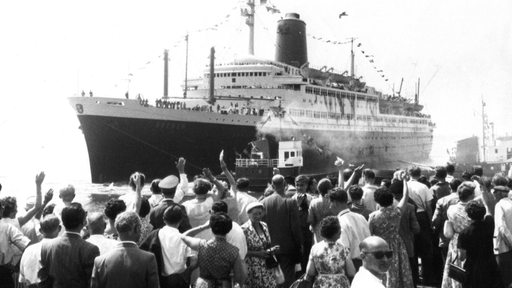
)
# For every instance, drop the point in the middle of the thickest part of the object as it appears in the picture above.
(380, 254)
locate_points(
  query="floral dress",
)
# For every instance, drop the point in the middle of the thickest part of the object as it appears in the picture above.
(329, 259)
(258, 274)
(385, 223)
(459, 218)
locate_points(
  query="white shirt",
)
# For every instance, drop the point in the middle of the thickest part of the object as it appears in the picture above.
(243, 200)
(174, 251)
(30, 263)
(198, 212)
(354, 229)
(368, 199)
(155, 199)
(235, 237)
(502, 226)
(12, 242)
(104, 244)
(420, 194)
(365, 279)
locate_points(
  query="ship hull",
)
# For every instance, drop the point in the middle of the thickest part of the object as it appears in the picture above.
(127, 140)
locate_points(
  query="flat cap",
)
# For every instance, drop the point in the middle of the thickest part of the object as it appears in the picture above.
(169, 182)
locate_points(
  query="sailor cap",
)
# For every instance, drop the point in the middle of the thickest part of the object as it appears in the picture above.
(169, 182)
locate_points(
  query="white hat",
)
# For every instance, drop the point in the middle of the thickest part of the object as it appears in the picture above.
(253, 205)
(169, 182)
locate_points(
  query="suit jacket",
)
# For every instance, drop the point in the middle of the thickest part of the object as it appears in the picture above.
(67, 261)
(126, 266)
(156, 216)
(282, 218)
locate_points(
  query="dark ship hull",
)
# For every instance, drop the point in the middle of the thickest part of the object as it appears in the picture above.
(118, 144)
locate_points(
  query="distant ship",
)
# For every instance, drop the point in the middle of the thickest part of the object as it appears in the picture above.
(237, 103)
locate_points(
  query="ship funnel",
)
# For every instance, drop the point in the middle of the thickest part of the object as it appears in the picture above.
(291, 45)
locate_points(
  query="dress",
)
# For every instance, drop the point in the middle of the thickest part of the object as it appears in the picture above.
(459, 218)
(480, 262)
(216, 259)
(385, 223)
(258, 274)
(329, 260)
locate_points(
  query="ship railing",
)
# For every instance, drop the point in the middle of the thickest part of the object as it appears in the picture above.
(257, 162)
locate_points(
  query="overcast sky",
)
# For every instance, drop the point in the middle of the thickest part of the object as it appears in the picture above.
(51, 50)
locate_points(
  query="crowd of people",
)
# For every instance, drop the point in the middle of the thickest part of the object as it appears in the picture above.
(354, 230)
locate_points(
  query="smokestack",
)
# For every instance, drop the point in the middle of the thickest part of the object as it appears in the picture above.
(291, 44)
(212, 76)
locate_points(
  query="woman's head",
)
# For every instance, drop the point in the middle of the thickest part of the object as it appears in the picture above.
(255, 211)
(132, 181)
(220, 223)
(383, 197)
(466, 191)
(113, 208)
(201, 186)
(330, 228)
(476, 210)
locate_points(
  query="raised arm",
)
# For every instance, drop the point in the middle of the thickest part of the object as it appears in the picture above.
(182, 188)
(47, 198)
(339, 164)
(220, 188)
(138, 190)
(191, 242)
(405, 196)
(224, 167)
(38, 205)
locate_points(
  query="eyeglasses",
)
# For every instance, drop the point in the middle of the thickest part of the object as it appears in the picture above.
(380, 254)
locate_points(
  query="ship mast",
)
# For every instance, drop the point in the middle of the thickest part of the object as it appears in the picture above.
(186, 68)
(166, 73)
(352, 57)
(484, 130)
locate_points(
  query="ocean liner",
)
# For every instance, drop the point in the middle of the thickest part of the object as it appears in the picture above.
(232, 105)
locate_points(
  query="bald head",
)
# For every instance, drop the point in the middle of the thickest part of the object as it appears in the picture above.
(96, 223)
(373, 250)
(278, 183)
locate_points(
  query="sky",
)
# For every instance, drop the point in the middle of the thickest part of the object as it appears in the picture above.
(51, 50)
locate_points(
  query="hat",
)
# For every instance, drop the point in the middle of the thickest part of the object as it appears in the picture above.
(253, 205)
(169, 182)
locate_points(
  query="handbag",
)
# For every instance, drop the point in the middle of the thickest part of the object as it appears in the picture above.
(457, 273)
(278, 274)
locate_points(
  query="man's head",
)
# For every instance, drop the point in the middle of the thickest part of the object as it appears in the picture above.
(278, 183)
(376, 255)
(466, 191)
(441, 173)
(500, 192)
(301, 183)
(450, 168)
(73, 217)
(242, 184)
(67, 194)
(168, 186)
(10, 206)
(50, 226)
(128, 226)
(356, 193)
(499, 180)
(369, 176)
(220, 206)
(154, 187)
(338, 199)
(324, 186)
(478, 170)
(96, 223)
(173, 216)
(454, 185)
(415, 172)
(201, 186)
